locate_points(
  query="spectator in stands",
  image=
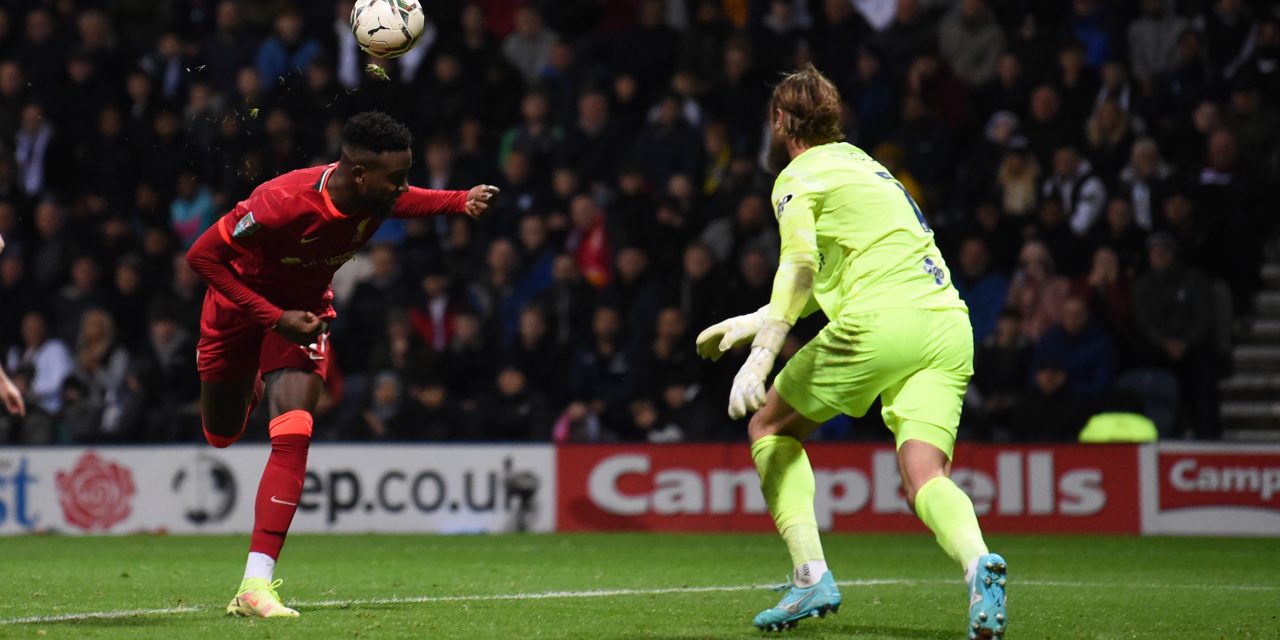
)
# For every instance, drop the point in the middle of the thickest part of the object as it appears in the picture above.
(1053, 228)
(40, 153)
(1037, 291)
(229, 48)
(1109, 135)
(364, 315)
(594, 143)
(1018, 178)
(1107, 291)
(1048, 411)
(982, 289)
(1146, 180)
(1153, 41)
(1173, 306)
(588, 240)
(1000, 367)
(667, 145)
(529, 46)
(1048, 129)
(127, 302)
(165, 371)
(435, 314)
(101, 369)
(568, 301)
(1081, 191)
(47, 358)
(431, 414)
(1120, 233)
(81, 294)
(383, 414)
(287, 52)
(603, 369)
(970, 39)
(396, 347)
(1081, 348)
(749, 229)
(512, 411)
(698, 292)
(494, 293)
(193, 209)
(535, 353)
(635, 293)
(1226, 191)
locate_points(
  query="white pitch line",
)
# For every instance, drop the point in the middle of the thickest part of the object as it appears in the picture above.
(596, 593)
(100, 615)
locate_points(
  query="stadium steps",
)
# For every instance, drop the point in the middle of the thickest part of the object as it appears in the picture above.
(1271, 275)
(1268, 303)
(1251, 396)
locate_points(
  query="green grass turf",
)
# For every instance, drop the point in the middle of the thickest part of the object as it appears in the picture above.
(1060, 587)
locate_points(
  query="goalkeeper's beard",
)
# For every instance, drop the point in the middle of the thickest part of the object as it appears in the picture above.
(779, 157)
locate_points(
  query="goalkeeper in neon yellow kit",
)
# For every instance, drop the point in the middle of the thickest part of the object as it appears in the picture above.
(855, 245)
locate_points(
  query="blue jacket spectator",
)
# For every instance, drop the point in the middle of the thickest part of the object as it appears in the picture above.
(980, 288)
(285, 53)
(1080, 348)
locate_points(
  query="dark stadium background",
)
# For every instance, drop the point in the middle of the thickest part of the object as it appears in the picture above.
(1054, 147)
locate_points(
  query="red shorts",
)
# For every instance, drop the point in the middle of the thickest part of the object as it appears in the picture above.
(234, 346)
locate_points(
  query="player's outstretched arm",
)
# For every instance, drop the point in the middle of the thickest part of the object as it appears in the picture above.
(418, 202)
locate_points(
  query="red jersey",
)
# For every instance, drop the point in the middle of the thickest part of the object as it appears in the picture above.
(279, 248)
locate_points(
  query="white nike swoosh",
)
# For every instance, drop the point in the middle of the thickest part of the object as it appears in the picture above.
(279, 501)
(310, 240)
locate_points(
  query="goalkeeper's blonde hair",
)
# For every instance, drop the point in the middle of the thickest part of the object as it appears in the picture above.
(810, 106)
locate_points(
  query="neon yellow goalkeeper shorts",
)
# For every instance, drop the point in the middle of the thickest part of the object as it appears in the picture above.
(918, 362)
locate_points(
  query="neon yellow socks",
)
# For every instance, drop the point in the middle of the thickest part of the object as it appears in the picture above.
(786, 479)
(948, 512)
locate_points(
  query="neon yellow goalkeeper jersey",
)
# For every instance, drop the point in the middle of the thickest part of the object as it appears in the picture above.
(873, 246)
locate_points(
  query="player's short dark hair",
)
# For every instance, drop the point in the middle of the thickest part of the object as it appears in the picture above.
(377, 132)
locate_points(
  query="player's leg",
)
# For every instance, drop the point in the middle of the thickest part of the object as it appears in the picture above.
(225, 406)
(804, 395)
(786, 479)
(291, 395)
(294, 384)
(923, 411)
(227, 358)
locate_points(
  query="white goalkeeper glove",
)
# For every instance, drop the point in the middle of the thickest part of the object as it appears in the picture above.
(722, 336)
(748, 393)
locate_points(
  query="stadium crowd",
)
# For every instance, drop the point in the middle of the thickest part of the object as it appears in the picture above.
(1094, 172)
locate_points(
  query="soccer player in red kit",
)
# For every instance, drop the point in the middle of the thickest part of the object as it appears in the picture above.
(264, 326)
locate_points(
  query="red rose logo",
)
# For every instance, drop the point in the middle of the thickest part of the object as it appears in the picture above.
(96, 493)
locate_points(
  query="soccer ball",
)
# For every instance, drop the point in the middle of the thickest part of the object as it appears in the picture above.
(387, 28)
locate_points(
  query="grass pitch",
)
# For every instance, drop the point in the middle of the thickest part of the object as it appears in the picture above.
(630, 586)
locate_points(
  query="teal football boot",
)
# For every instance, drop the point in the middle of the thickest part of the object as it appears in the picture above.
(800, 603)
(987, 617)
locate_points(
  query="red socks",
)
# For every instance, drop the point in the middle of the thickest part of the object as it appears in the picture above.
(281, 484)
